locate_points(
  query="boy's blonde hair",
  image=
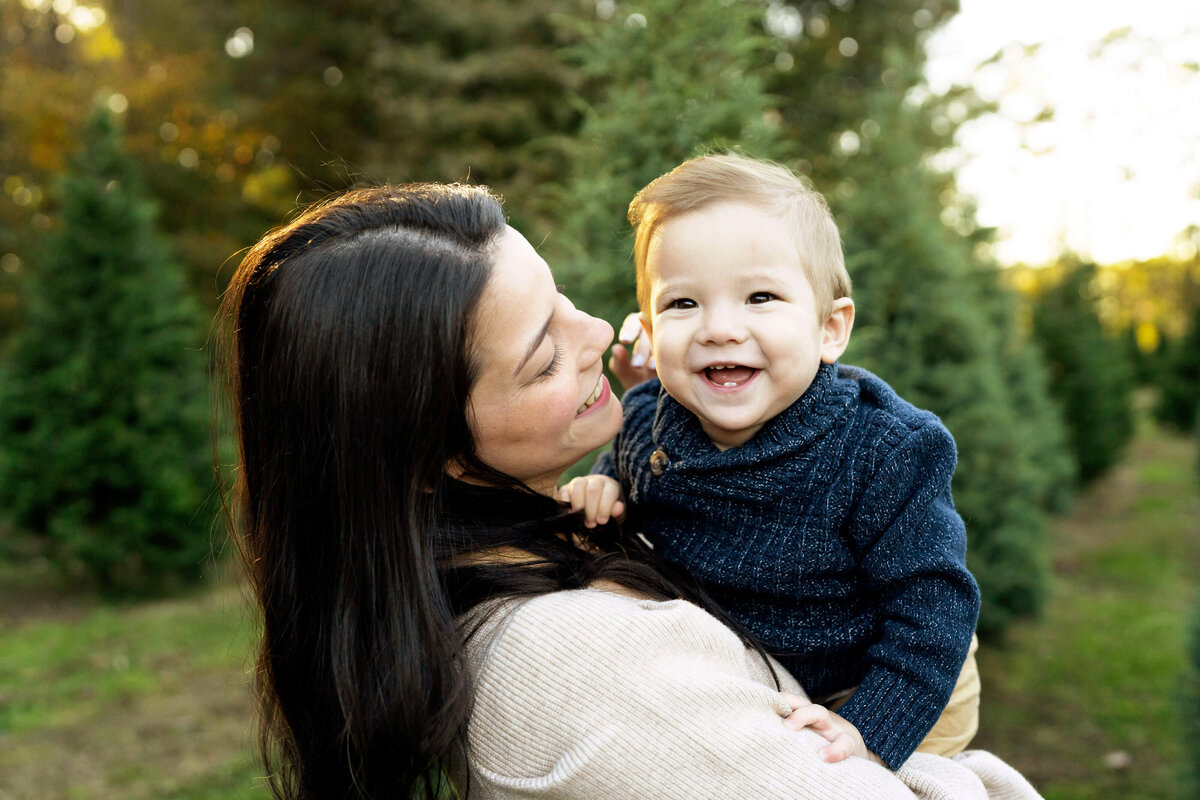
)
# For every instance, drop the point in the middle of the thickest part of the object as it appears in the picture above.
(772, 187)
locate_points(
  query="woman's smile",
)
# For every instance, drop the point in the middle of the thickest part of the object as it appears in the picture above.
(599, 396)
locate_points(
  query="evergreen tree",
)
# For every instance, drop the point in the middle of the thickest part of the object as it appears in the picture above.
(670, 80)
(934, 322)
(837, 58)
(1179, 379)
(103, 407)
(1090, 374)
(374, 90)
(848, 74)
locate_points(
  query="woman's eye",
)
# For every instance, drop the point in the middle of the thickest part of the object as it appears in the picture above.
(761, 297)
(554, 364)
(683, 303)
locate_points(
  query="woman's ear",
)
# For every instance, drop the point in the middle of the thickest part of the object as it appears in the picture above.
(835, 333)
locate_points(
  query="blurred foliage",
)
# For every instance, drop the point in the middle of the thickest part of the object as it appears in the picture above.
(162, 69)
(103, 402)
(238, 110)
(1149, 301)
(1090, 374)
(834, 61)
(1179, 377)
(935, 322)
(1154, 307)
(677, 80)
(371, 90)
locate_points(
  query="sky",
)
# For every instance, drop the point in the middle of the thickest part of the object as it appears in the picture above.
(1115, 174)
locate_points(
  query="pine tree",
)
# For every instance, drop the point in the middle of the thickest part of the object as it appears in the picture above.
(933, 316)
(103, 406)
(934, 322)
(1090, 375)
(664, 81)
(837, 58)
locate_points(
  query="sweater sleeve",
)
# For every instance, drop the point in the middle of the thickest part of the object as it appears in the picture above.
(584, 696)
(914, 553)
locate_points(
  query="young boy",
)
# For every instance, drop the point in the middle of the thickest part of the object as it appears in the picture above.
(810, 500)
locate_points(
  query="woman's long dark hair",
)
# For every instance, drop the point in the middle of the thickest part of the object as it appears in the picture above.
(347, 353)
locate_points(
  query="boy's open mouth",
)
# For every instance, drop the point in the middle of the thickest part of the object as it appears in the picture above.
(729, 376)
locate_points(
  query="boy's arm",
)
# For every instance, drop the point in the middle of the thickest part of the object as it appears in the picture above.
(913, 546)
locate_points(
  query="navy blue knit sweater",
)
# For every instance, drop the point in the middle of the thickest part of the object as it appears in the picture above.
(831, 535)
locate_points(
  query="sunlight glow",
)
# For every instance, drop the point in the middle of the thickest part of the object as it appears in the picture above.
(1114, 173)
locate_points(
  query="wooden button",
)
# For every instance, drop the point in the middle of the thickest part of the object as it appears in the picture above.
(658, 462)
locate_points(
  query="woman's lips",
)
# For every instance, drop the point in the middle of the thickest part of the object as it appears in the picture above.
(598, 397)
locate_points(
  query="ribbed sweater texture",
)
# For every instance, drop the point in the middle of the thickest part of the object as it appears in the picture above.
(831, 535)
(590, 694)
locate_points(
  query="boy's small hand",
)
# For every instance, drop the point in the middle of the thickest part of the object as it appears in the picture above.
(597, 496)
(844, 738)
(638, 366)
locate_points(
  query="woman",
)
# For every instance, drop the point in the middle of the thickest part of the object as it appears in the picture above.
(409, 386)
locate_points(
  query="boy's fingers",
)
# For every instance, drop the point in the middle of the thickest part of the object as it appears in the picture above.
(631, 328)
(595, 493)
(840, 748)
(610, 495)
(619, 364)
(576, 490)
(819, 718)
(641, 350)
(811, 716)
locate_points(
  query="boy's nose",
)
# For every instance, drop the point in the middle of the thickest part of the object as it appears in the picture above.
(723, 325)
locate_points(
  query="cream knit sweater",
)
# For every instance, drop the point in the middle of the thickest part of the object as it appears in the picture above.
(596, 695)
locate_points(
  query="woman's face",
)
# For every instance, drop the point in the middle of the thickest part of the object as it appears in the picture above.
(541, 401)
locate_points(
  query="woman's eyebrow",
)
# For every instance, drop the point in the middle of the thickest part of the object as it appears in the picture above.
(533, 345)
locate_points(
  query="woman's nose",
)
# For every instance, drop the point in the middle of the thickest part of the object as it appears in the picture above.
(595, 335)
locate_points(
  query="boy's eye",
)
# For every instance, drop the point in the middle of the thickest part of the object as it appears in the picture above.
(761, 297)
(683, 303)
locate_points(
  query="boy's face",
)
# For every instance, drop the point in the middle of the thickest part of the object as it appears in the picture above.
(734, 325)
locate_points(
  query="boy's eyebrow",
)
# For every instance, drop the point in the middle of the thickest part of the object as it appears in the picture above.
(533, 345)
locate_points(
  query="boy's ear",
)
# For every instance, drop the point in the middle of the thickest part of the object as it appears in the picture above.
(835, 334)
(645, 321)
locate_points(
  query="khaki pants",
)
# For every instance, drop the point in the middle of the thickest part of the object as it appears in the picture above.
(959, 722)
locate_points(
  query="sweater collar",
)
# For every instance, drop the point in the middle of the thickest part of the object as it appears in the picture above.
(816, 412)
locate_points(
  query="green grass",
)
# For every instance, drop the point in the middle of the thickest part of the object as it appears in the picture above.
(132, 701)
(151, 700)
(1097, 681)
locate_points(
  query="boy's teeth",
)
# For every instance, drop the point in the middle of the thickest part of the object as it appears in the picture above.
(731, 374)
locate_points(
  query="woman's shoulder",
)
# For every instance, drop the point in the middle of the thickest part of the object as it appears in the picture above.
(577, 621)
(605, 634)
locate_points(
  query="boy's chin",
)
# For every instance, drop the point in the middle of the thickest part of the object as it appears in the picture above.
(729, 434)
